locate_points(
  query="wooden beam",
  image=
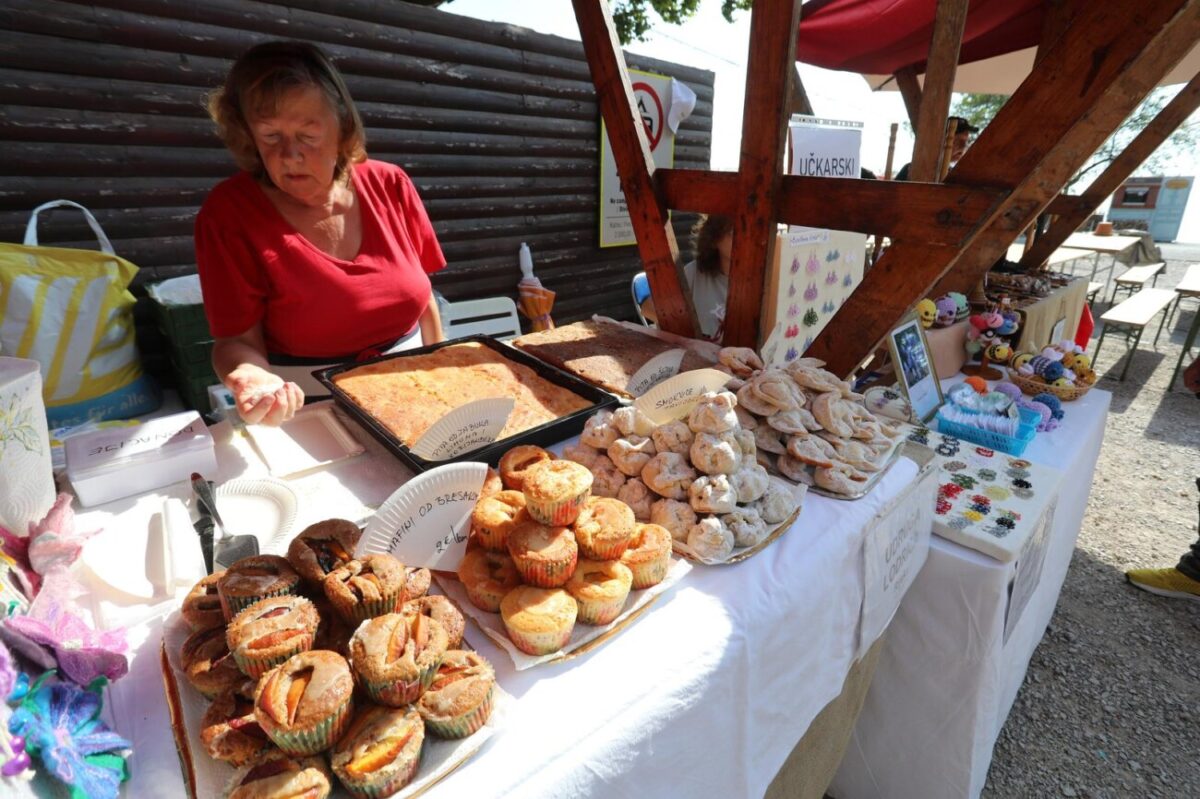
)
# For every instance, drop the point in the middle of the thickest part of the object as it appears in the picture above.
(631, 150)
(910, 91)
(948, 25)
(1089, 81)
(1072, 211)
(799, 102)
(945, 215)
(1056, 18)
(769, 68)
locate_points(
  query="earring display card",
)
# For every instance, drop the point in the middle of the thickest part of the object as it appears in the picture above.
(313, 438)
(988, 501)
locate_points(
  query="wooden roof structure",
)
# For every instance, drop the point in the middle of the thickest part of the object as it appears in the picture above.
(1096, 62)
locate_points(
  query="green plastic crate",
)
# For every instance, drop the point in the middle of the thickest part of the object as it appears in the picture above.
(193, 387)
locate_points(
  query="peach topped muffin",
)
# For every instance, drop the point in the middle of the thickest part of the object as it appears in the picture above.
(495, 517)
(254, 578)
(515, 463)
(380, 752)
(322, 547)
(270, 631)
(395, 656)
(362, 589)
(444, 612)
(278, 775)
(207, 664)
(487, 576)
(459, 700)
(416, 582)
(202, 606)
(555, 491)
(229, 730)
(539, 620)
(600, 588)
(305, 703)
(604, 528)
(648, 555)
(545, 556)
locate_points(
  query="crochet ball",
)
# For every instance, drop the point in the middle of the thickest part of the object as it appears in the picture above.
(1021, 358)
(1042, 410)
(1050, 371)
(999, 352)
(1082, 361)
(1010, 390)
(977, 383)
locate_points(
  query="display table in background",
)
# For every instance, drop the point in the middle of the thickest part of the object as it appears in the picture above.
(947, 678)
(705, 695)
(1063, 304)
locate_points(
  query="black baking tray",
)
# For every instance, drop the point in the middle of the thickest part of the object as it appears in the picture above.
(543, 435)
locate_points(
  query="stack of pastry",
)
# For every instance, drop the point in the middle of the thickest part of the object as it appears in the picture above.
(320, 664)
(698, 477)
(547, 552)
(810, 427)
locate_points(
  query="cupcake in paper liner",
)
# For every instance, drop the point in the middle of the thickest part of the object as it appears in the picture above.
(555, 491)
(270, 631)
(365, 588)
(648, 555)
(304, 704)
(459, 700)
(539, 621)
(487, 577)
(254, 578)
(280, 774)
(380, 752)
(604, 528)
(396, 656)
(545, 556)
(495, 517)
(600, 588)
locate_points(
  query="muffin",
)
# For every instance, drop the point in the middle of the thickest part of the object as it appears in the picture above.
(459, 700)
(305, 703)
(604, 528)
(416, 583)
(395, 656)
(444, 612)
(363, 589)
(494, 518)
(333, 632)
(539, 620)
(492, 484)
(280, 774)
(207, 664)
(545, 556)
(556, 490)
(270, 631)
(381, 751)
(202, 606)
(517, 461)
(600, 588)
(322, 547)
(648, 555)
(488, 576)
(254, 578)
(229, 730)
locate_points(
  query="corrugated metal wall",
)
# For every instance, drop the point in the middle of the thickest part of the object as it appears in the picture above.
(102, 103)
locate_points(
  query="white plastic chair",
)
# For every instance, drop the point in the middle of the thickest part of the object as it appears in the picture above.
(490, 316)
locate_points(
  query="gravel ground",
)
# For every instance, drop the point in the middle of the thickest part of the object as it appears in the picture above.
(1110, 706)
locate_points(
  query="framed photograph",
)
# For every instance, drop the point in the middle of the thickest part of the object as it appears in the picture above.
(914, 368)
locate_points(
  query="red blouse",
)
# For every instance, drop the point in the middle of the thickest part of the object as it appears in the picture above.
(255, 267)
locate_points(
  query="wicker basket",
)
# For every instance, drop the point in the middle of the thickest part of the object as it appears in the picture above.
(1032, 387)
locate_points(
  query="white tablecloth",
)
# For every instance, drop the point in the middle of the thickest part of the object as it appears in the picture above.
(946, 679)
(705, 695)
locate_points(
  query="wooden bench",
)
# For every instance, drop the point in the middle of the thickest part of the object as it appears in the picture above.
(1134, 279)
(1131, 317)
(1093, 289)
(1188, 288)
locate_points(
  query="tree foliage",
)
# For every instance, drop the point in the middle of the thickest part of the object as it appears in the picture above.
(981, 108)
(634, 21)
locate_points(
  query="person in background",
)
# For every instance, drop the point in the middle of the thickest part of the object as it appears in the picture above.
(312, 254)
(707, 276)
(963, 135)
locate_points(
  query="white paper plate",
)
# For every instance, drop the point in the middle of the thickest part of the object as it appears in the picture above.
(263, 507)
(313, 438)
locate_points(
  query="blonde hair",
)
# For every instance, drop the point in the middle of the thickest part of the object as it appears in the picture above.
(258, 80)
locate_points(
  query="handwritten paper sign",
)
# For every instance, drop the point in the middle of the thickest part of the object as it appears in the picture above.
(424, 523)
(465, 428)
(674, 398)
(654, 371)
(1029, 570)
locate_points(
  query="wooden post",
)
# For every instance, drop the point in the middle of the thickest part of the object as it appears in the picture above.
(947, 150)
(1074, 210)
(887, 170)
(631, 150)
(770, 66)
(940, 68)
(910, 91)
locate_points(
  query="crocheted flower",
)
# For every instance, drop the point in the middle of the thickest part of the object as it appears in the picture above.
(987, 475)
(973, 515)
(985, 452)
(997, 493)
(61, 723)
(8, 673)
(963, 481)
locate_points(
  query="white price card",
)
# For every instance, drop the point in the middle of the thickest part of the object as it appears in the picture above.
(424, 523)
(654, 371)
(674, 398)
(465, 428)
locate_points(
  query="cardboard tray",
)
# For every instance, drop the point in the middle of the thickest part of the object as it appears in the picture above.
(543, 435)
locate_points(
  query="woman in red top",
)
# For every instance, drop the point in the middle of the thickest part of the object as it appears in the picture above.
(312, 254)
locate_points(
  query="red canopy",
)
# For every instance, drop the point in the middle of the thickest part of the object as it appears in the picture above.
(882, 36)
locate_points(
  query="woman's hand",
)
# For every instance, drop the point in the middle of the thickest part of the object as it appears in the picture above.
(262, 397)
(431, 323)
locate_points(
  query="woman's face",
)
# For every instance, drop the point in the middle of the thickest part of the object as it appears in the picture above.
(725, 247)
(299, 145)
